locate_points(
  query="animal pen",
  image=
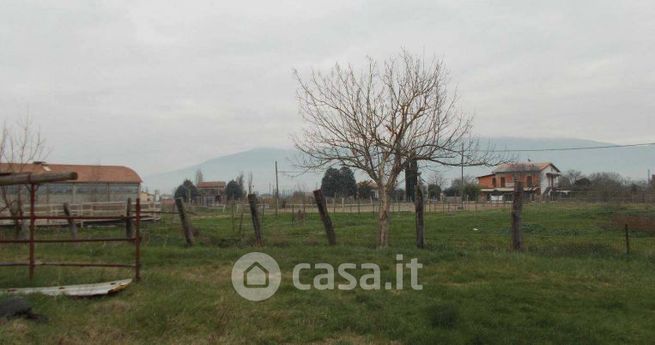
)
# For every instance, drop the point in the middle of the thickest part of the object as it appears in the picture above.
(33, 181)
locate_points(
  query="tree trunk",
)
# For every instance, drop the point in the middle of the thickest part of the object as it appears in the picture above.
(384, 219)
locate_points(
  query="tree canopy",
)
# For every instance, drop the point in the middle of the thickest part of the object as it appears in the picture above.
(187, 190)
(339, 182)
(234, 190)
(381, 118)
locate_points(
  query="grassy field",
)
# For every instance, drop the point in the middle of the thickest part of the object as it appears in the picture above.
(573, 285)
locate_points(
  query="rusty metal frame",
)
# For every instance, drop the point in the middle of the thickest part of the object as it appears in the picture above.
(32, 240)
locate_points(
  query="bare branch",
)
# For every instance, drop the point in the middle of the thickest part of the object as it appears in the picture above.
(382, 117)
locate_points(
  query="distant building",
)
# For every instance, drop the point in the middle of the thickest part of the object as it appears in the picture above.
(539, 180)
(211, 192)
(95, 183)
(375, 193)
(147, 197)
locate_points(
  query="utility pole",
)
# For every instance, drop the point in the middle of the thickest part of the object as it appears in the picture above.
(277, 191)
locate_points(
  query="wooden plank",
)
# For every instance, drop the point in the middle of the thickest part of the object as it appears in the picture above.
(79, 290)
(36, 178)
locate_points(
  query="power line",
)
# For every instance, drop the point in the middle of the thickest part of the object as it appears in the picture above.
(578, 148)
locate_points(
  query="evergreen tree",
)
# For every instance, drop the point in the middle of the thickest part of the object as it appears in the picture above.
(347, 185)
(233, 190)
(330, 182)
(187, 191)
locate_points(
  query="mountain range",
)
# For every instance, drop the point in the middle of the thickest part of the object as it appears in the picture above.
(631, 162)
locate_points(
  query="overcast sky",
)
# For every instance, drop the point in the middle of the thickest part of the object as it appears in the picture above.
(160, 86)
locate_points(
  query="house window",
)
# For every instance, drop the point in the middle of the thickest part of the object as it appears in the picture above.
(493, 182)
(529, 182)
(502, 182)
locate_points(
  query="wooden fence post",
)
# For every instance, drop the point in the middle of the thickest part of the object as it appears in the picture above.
(252, 201)
(420, 228)
(517, 208)
(627, 240)
(261, 221)
(129, 232)
(232, 216)
(240, 226)
(71, 222)
(187, 231)
(325, 217)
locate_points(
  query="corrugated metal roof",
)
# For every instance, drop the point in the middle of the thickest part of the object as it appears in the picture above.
(85, 173)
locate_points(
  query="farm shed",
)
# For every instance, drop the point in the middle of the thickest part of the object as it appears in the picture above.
(95, 183)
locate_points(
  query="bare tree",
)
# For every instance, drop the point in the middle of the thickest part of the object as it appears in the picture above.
(250, 186)
(568, 179)
(379, 119)
(240, 181)
(20, 143)
(199, 177)
(437, 178)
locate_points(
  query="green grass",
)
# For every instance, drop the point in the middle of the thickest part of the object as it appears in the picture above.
(573, 285)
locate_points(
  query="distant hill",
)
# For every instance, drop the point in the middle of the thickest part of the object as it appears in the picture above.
(630, 162)
(259, 161)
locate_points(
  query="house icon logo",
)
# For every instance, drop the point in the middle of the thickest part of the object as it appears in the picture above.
(256, 276)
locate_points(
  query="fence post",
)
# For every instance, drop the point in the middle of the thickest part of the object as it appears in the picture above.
(252, 201)
(517, 208)
(137, 242)
(232, 216)
(325, 217)
(32, 222)
(187, 231)
(129, 233)
(627, 240)
(420, 228)
(71, 222)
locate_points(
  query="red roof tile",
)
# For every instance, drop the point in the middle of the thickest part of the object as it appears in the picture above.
(211, 184)
(85, 173)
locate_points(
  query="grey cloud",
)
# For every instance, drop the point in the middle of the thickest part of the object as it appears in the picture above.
(156, 85)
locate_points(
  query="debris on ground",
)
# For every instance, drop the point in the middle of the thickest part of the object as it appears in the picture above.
(18, 307)
(80, 290)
